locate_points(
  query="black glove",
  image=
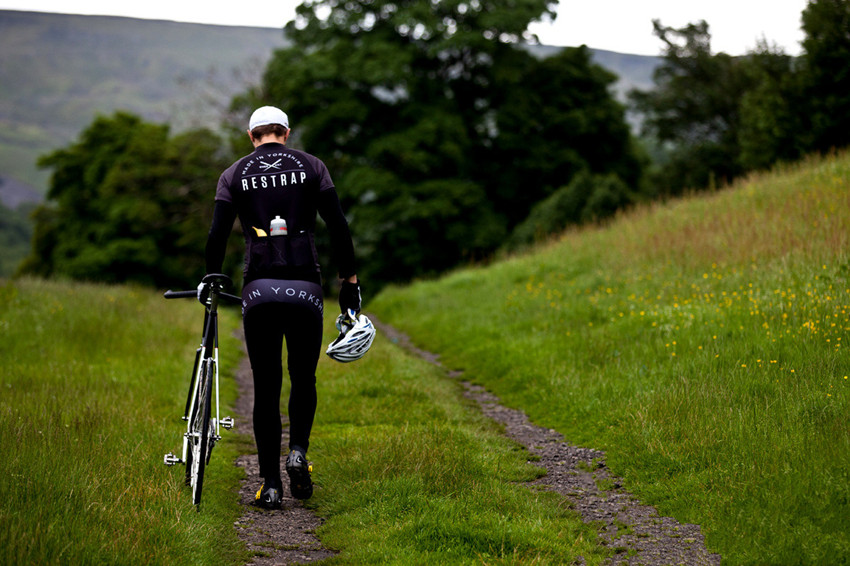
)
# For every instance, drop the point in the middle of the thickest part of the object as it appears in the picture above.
(349, 297)
(203, 293)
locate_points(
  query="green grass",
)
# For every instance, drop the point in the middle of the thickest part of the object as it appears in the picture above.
(93, 384)
(702, 343)
(410, 473)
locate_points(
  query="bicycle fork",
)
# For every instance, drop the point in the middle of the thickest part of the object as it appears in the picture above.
(201, 361)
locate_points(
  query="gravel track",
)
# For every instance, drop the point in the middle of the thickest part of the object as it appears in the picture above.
(636, 532)
(273, 537)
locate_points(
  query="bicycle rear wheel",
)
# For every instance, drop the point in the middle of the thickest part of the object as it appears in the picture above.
(200, 432)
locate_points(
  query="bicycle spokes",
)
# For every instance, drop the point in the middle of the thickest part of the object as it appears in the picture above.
(202, 418)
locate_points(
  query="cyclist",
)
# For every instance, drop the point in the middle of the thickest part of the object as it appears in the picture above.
(276, 192)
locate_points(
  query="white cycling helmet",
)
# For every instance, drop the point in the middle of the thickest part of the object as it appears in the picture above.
(356, 333)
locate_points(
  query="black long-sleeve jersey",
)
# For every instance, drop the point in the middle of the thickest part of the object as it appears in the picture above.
(273, 181)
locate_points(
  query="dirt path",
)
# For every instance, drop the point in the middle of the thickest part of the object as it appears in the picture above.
(636, 532)
(274, 537)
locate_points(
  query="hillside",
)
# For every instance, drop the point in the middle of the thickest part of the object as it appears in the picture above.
(58, 71)
(699, 343)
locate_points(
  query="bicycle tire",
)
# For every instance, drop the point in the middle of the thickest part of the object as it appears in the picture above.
(211, 436)
(200, 435)
(191, 417)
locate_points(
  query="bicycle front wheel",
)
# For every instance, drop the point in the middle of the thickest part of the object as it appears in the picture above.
(201, 433)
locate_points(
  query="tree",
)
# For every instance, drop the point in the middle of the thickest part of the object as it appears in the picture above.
(694, 108)
(15, 236)
(439, 128)
(719, 116)
(587, 198)
(559, 121)
(826, 73)
(127, 203)
(771, 122)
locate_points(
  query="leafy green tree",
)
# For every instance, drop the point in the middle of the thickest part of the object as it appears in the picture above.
(15, 236)
(439, 128)
(588, 198)
(558, 121)
(694, 108)
(771, 120)
(719, 116)
(826, 73)
(127, 203)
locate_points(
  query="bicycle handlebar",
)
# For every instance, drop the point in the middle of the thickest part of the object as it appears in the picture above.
(216, 278)
(193, 294)
(179, 294)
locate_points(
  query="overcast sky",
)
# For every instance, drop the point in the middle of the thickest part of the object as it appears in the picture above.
(615, 25)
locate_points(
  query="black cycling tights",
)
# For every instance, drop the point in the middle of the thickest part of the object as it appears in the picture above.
(266, 326)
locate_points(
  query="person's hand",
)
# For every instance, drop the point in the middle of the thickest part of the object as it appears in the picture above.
(203, 293)
(349, 297)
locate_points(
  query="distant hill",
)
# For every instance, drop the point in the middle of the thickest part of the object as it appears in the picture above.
(59, 71)
(635, 71)
(14, 193)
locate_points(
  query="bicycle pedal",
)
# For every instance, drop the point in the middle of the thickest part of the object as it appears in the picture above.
(226, 422)
(171, 459)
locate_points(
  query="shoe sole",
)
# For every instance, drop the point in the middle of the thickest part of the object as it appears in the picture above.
(267, 506)
(300, 483)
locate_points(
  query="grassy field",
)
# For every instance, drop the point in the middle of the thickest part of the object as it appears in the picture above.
(410, 473)
(92, 387)
(702, 343)
(92, 390)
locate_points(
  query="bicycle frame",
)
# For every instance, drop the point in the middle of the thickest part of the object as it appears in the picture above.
(209, 342)
(201, 435)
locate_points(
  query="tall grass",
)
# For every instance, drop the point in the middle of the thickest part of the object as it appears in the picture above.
(702, 343)
(93, 381)
(92, 388)
(410, 473)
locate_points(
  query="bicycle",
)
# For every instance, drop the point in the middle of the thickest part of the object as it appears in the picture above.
(202, 431)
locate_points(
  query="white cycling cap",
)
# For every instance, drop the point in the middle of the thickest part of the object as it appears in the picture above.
(266, 115)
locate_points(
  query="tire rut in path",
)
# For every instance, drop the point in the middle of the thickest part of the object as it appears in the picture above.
(275, 537)
(636, 532)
